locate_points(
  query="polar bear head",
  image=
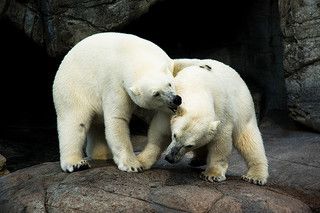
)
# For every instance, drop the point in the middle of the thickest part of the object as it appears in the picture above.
(189, 132)
(157, 93)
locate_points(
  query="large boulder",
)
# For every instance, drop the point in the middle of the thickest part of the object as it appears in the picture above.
(59, 25)
(300, 23)
(44, 188)
(3, 169)
(293, 186)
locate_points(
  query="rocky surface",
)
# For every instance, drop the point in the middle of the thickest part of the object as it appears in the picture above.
(59, 25)
(300, 23)
(293, 186)
(27, 147)
(3, 169)
(105, 189)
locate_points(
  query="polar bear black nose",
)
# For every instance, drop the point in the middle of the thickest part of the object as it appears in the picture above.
(177, 100)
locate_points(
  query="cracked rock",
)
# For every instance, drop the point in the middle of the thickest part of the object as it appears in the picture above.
(45, 188)
(59, 25)
(3, 170)
(293, 185)
(300, 23)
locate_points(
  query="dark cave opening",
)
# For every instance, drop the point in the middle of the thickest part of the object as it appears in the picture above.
(185, 29)
(26, 78)
(28, 127)
(245, 35)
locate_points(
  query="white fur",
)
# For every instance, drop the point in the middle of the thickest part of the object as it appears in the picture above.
(101, 81)
(217, 110)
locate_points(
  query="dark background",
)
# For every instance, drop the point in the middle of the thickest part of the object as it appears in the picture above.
(245, 35)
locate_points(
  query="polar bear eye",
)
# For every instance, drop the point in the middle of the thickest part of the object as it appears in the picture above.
(174, 136)
(169, 85)
(156, 94)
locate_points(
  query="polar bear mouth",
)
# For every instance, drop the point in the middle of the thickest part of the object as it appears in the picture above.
(173, 108)
(175, 154)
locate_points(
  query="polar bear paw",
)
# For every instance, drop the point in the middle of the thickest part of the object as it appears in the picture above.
(212, 178)
(132, 165)
(254, 179)
(73, 167)
(146, 160)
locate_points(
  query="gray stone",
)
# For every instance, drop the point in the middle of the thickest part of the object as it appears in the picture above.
(104, 189)
(3, 5)
(300, 24)
(304, 96)
(294, 164)
(59, 25)
(2, 161)
(3, 169)
(186, 198)
(293, 186)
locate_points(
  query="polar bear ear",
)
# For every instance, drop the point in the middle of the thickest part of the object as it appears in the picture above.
(135, 90)
(213, 126)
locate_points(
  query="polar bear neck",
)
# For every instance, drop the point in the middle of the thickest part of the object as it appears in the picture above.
(138, 74)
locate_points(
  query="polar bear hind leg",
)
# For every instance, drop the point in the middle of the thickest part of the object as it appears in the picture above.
(158, 139)
(249, 143)
(218, 156)
(97, 147)
(72, 128)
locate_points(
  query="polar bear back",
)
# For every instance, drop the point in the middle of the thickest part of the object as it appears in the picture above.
(230, 94)
(105, 56)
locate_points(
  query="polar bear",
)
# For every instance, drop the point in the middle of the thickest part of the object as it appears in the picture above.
(217, 111)
(99, 84)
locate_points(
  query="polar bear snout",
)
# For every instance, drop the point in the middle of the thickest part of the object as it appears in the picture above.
(171, 154)
(174, 154)
(177, 100)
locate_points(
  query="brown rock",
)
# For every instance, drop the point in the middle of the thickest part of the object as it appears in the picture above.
(3, 170)
(227, 204)
(2, 161)
(106, 189)
(256, 199)
(186, 197)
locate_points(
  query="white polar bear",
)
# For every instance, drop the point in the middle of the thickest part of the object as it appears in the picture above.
(99, 84)
(217, 110)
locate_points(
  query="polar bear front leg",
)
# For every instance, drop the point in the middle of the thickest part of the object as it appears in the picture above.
(118, 109)
(158, 139)
(72, 129)
(219, 151)
(117, 134)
